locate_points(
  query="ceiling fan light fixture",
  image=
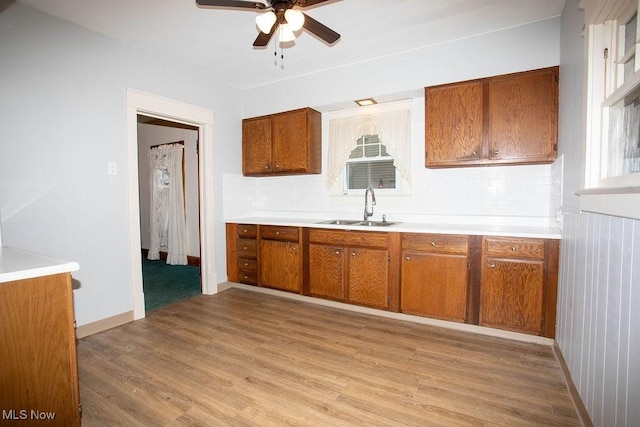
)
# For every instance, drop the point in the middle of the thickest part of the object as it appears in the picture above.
(286, 35)
(265, 21)
(294, 18)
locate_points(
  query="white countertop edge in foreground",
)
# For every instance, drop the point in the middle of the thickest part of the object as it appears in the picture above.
(410, 227)
(17, 264)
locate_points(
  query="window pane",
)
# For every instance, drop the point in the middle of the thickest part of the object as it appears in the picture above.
(376, 174)
(356, 153)
(372, 150)
(624, 136)
(629, 44)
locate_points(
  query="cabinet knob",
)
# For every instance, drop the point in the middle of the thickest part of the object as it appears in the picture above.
(353, 253)
(266, 167)
(495, 152)
(245, 248)
(337, 252)
(513, 248)
(433, 243)
(492, 265)
(475, 154)
(277, 166)
(244, 230)
(246, 264)
(408, 258)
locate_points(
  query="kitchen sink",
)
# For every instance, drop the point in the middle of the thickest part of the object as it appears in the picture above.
(359, 223)
(339, 222)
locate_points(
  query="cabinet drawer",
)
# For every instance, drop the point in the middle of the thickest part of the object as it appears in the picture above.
(286, 234)
(350, 238)
(247, 278)
(247, 248)
(514, 248)
(247, 265)
(247, 230)
(436, 243)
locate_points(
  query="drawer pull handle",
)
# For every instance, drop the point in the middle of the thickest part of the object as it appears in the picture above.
(244, 230)
(245, 248)
(433, 243)
(475, 154)
(277, 233)
(246, 264)
(513, 248)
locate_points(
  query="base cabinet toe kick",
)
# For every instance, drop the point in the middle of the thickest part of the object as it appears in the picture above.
(507, 283)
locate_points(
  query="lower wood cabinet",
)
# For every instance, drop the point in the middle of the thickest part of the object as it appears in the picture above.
(435, 276)
(38, 364)
(355, 267)
(499, 282)
(280, 258)
(519, 284)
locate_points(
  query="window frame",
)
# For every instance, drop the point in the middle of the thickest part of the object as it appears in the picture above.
(606, 86)
(379, 158)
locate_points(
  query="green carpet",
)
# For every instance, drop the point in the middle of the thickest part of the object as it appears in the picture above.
(164, 284)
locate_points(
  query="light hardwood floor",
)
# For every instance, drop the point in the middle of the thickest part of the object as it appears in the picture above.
(242, 358)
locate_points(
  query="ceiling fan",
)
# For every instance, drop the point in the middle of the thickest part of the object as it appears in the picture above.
(280, 14)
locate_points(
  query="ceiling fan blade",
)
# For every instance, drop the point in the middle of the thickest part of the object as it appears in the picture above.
(263, 39)
(307, 3)
(320, 30)
(233, 3)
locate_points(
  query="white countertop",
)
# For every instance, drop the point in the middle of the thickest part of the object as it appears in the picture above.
(16, 264)
(413, 227)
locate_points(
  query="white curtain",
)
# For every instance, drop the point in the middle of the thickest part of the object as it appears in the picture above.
(167, 215)
(390, 122)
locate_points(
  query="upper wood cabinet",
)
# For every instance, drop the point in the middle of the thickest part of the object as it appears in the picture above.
(509, 119)
(282, 144)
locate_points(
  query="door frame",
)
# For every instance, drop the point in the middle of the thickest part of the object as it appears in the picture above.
(155, 106)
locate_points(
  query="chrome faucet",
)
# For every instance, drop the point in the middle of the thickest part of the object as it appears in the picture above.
(368, 208)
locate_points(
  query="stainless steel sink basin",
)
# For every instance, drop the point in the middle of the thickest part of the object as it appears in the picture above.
(359, 223)
(374, 223)
(339, 222)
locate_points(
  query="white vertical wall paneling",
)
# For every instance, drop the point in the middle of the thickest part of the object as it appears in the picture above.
(633, 394)
(599, 308)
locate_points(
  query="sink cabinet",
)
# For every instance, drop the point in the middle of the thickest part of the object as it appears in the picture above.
(355, 267)
(282, 144)
(508, 119)
(435, 276)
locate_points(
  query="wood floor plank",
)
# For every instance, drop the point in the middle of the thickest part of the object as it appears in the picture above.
(240, 358)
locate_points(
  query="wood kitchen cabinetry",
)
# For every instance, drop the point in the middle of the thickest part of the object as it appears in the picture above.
(355, 267)
(242, 253)
(282, 144)
(435, 276)
(508, 119)
(38, 365)
(519, 284)
(281, 258)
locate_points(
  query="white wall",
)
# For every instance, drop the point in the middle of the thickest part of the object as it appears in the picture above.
(518, 194)
(149, 135)
(599, 286)
(63, 118)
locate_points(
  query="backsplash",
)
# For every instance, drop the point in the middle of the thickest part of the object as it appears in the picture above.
(514, 195)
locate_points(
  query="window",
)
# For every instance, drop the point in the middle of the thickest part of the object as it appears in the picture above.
(369, 165)
(370, 147)
(615, 142)
(612, 168)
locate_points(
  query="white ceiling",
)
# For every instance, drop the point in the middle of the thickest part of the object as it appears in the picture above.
(219, 41)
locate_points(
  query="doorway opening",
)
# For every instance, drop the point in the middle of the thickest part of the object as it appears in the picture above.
(141, 103)
(166, 279)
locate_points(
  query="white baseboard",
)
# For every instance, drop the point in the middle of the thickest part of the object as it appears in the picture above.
(104, 324)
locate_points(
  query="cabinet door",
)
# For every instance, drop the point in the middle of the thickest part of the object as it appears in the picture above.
(511, 294)
(523, 116)
(434, 285)
(280, 265)
(326, 271)
(454, 129)
(290, 141)
(368, 277)
(256, 146)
